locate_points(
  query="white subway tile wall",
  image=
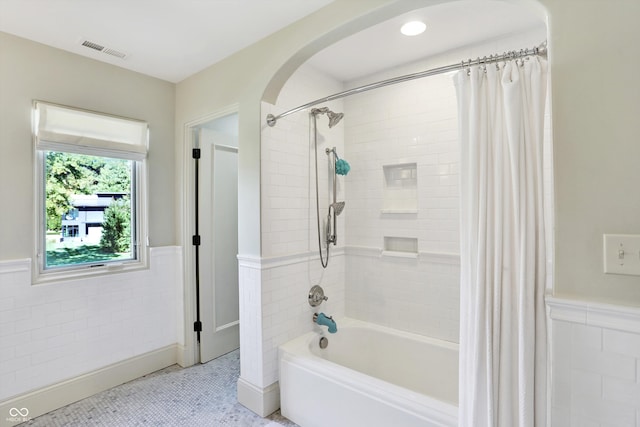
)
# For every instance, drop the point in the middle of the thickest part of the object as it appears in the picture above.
(288, 166)
(412, 123)
(250, 302)
(414, 295)
(289, 264)
(275, 308)
(596, 367)
(53, 332)
(286, 310)
(426, 301)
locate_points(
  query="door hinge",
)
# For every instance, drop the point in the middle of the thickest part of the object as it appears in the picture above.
(197, 326)
(196, 153)
(196, 240)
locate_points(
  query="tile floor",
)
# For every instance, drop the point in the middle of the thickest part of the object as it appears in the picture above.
(201, 395)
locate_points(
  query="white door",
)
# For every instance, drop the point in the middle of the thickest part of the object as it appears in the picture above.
(219, 311)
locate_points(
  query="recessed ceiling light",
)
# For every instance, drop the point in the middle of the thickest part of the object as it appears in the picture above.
(413, 28)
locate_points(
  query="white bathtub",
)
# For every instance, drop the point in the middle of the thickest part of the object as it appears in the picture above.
(369, 376)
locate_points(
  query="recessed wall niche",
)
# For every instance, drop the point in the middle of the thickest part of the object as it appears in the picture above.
(400, 193)
(406, 247)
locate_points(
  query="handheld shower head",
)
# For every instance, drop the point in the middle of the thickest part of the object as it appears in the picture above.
(338, 207)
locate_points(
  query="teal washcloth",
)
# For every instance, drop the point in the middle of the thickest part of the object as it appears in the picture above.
(342, 167)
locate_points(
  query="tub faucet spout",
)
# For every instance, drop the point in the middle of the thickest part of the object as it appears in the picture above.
(322, 319)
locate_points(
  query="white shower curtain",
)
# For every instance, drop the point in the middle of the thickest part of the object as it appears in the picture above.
(502, 325)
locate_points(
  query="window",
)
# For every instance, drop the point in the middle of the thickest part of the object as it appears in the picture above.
(68, 231)
(90, 205)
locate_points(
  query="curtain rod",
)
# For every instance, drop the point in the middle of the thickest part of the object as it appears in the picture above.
(540, 50)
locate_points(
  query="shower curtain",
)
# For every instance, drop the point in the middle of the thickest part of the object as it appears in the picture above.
(502, 327)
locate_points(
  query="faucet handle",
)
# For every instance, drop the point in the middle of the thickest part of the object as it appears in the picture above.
(316, 296)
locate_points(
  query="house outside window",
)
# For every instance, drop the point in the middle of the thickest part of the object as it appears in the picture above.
(91, 194)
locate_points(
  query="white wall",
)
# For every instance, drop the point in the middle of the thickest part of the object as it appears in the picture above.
(288, 167)
(29, 71)
(237, 80)
(595, 127)
(596, 151)
(59, 331)
(413, 122)
(594, 101)
(595, 364)
(275, 287)
(595, 104)
(55, 332)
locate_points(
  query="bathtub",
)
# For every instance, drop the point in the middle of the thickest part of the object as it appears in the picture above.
(369, 376)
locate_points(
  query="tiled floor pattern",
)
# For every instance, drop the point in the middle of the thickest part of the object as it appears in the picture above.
(201, 395)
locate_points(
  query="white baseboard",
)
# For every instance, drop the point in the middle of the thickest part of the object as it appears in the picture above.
(262, 401)
(185, 356)
(56, 396)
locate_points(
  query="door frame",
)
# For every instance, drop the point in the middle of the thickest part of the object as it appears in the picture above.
(190, 351)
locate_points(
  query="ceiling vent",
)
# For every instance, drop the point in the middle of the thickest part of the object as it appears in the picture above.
(103, 49)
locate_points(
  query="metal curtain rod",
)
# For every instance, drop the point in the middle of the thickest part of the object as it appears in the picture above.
(540, 50)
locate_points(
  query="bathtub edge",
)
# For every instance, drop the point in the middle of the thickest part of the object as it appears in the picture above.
(295, 353)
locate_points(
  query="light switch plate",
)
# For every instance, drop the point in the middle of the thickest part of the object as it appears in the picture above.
(622, 254)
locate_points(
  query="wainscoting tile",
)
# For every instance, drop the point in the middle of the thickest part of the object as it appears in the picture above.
(597, 347)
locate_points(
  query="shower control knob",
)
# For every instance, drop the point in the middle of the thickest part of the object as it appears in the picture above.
(316, 296)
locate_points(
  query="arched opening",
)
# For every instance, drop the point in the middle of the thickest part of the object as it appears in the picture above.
(396, 264)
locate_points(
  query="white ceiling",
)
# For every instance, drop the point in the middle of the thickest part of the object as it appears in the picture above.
(168, 39)
(449, 26)
(173, 39)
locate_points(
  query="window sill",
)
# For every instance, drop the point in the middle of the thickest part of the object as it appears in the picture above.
(87, 272)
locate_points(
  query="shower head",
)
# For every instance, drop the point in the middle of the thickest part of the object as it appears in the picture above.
(334, 118)
(338, 207)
